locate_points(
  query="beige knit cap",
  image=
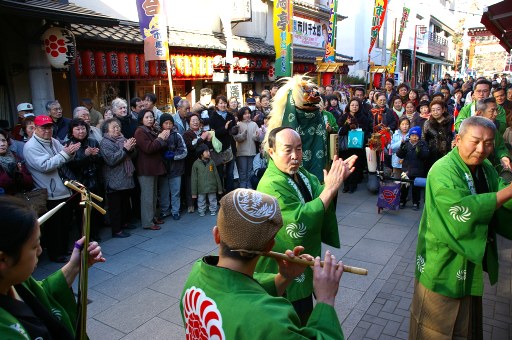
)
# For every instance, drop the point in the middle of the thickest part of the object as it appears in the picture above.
(248, 219)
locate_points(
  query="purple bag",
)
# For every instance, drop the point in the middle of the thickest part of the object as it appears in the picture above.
(389, 196)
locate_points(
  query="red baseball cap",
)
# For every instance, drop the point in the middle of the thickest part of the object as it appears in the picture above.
(43, 120)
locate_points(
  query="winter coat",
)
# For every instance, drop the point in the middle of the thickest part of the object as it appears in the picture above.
(149, 159)
(128, 125)
(61, 128)
(389, 118)
(205, 178)
(246, 138)
(438, 136)
(86, 169)
(348, 122)
(396, 141)
(218, 124)
(18, 181)
(192, 142)
(414, 157)
(114, 169)
(174, 154)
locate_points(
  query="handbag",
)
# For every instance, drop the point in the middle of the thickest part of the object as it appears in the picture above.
(36, 199)
(355, 139)
(343, 143)
(222, 157)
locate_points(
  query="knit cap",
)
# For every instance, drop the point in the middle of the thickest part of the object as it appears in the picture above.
(416, 130)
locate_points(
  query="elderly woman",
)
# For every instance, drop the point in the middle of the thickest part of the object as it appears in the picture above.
(383, 116)
(150, 166)
(193, 137)
(86, 165)
(27, 127)
(117, 153)
(14, 176)
(31, 309)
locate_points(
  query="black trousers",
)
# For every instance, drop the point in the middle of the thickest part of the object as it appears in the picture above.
(119, 209)
(55, 231)
(304, 308)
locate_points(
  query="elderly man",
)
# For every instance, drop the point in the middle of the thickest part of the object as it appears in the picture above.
(83, 113)
(180, 117)
(95, 116)
(482, 90)
(308, 213)
(44, 156)
(466, 205)
(60, 123)
(224, 298)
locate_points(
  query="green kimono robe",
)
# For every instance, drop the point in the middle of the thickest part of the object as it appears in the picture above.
(304, 224)
(458, 228)
(470, 110)
(54, 294)
(229, 304)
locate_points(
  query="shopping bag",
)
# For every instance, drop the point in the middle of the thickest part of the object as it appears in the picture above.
(355, 139)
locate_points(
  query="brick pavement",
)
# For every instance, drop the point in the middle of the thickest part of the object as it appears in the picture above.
(135, 293)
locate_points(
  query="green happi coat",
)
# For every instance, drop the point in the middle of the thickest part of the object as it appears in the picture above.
(54, 294)
(304, 224)
(458, 227)
(229, 304)
(469, 110)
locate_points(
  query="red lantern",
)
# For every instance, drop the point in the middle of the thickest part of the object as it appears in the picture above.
(143, 66)
(180, 66)
(252, 63)
(188, 66)
(89, 68)
(112, 64)
(259, 63)
(153, 72)
(265, 64)
(133, 64)
(100, 60)
(79, 68)
(209, 66)
(123, 64)
(162, 68)
(195, 66)
(60, 47)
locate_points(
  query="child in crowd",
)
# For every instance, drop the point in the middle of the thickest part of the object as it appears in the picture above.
(414, 152)
(400, 136)
(259, 166)
(205, 181)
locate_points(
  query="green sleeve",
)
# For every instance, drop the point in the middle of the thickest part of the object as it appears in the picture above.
(324, 321)
(330, 233)
(500, 150)
(267, 281)
(331, 120)
(463, 114)
(502, 118)
(459, 219)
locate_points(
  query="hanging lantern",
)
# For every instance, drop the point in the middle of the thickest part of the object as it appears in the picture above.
(79, 68)
(100, 62)
(188, 66)
(172, 60)
(143, 66)
(180, 66)
(123, 64)
(162, 68)
(195, 66)
(89, 67)
(153, 69)
(133, 64)
(265, 64)
(202, 66)
(60, 47)
(271, 73)
(218, 61)
(209, 66)
(112, 64)
(243, 62)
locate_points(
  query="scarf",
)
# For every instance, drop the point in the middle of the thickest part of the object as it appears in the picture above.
(127, 163)
(399, 112)
(8, 163)
(425, 115)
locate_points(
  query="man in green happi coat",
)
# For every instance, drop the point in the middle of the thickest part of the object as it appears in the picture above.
(307, 208)
(224, 299)
(466, 205)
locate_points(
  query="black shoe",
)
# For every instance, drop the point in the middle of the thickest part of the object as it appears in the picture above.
(345, 189)
(416, 206)
(121, 234)
(353, 188)
(402, 205)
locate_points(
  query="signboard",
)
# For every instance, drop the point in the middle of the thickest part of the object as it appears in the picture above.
(379, 13)
(153, 27)
(309, 33)
(282, 23)
(330, 42)
(234, 90)
(241, 11)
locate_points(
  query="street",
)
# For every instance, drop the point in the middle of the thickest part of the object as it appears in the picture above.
(135, 294)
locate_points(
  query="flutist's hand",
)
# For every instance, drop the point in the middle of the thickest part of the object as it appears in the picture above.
(289, 270)
(326, 280)
(71, 269)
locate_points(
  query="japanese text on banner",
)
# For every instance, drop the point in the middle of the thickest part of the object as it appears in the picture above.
(379, 13)
(153, 27)
(283, 23)
(330, 44)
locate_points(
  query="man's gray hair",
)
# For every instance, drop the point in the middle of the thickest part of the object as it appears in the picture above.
(117, 103)
(482, 104)
(51, 103)
(182, 103)
(476, 121)
(78, 109)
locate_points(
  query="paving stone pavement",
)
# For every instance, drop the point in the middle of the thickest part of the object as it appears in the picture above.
(135, 294)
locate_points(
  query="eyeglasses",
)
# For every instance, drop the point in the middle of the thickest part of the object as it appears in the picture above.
(56, 108)
(46, 127)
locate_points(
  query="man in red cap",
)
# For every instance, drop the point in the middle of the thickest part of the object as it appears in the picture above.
(45, 158)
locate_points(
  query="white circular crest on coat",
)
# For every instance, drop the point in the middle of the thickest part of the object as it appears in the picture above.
(420, 263)
(460, 213)
(202, 317)
(461, 275)
(251, 206)
(301, 278)
(296, 230)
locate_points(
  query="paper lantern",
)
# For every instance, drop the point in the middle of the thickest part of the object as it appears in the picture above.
(180, 66)
(87, 59)
(195, 65)
(153, 68)
(79, 68)
(209, 66)
(100, 60)
(218, 61)
(173, 65)
(162, 68)
(265, 64)
(271, 73)
(60, 47)
(188, 66)
(143, 66)
(202, 66)
(123, 64)
(243, 62)
(133, 64)
(112, 64)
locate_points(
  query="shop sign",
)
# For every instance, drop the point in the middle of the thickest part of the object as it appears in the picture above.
(234, 90)
(241, 11)
(309, 33)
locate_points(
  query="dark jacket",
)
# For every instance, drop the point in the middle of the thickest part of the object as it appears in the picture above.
(174, 154)
(387, 118)
(86, 169)
(149, 160)
(348, 122)
(128, 125)
(414, 157)
(115, 172)
(438, 137)
(61, 128)
(192, 141)
(17, 181)
(217, 123)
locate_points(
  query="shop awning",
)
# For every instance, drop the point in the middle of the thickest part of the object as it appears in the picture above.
(433, 60)
(301, 54)
(56, 11)
(497, 18)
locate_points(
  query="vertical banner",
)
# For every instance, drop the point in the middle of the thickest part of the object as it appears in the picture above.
(379, 12)
(283, 25)
(330, 44)
(153, 27)
(390, 69)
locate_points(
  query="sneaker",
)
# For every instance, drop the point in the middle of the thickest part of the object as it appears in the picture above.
(416, 207)
(201, 213)
(402, 205)
(175, 217)
(164, 215)
(121, 234)
(191, 209)
(212, 213)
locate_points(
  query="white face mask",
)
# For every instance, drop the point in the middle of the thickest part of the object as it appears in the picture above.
(252, 107)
